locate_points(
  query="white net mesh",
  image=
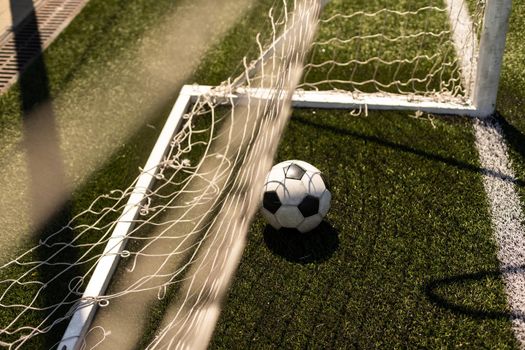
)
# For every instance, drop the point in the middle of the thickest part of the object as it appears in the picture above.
(416, 48)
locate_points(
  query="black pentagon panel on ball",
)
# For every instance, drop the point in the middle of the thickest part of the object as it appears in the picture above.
(309, 206)
(326, 182)
(294, 171)
(271, 201)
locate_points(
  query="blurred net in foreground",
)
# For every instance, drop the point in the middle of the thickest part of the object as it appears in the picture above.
(185, 243)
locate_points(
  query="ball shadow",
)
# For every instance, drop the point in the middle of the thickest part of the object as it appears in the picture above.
(315, 246)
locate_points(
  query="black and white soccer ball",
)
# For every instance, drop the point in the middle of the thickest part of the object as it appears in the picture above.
(296, 195)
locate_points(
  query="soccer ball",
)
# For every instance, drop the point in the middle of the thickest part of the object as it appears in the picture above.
(296, 195)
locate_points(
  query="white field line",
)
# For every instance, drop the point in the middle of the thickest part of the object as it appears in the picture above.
(507, 217)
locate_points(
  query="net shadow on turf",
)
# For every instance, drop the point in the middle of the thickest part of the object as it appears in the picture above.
(404, 148)
(433, 291)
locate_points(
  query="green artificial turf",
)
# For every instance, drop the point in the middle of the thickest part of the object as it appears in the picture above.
(404, 59)
(405, 258)
(93, 39)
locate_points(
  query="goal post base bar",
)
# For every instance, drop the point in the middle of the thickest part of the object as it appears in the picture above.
(344, 100)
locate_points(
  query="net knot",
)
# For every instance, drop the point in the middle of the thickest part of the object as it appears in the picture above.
(103, 302)
(146, 207)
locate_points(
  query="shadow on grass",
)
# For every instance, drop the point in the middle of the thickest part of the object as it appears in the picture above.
(514, 137)
(428, 155)
(57, 292)
(315, 246)
(48, 196)
(432, 292)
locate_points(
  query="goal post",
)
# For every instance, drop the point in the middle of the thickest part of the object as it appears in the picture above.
(492, 47)
(92, 296)
(479, 41)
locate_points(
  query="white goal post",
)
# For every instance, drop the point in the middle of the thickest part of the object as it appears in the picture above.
(479, 48)
(492, 47)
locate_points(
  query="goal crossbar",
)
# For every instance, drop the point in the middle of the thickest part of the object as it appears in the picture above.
(344, 100)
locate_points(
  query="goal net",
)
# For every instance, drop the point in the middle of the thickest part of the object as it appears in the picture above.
(155, 259)
(365, 49)
(441, 57)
